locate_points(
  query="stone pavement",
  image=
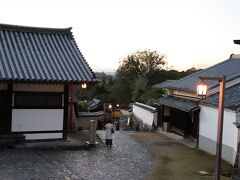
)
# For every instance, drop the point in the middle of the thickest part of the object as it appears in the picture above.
(127, 159)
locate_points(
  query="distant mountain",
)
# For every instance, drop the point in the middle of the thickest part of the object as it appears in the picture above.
(107, 71)
(110, 73)
(104, 75)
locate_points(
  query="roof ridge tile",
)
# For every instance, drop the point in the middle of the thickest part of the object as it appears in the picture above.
(32, 29)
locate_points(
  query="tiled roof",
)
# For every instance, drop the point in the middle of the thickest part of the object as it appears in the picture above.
(95, 104)
(178, 103)
(91, 114)
(31, 54)
(163, 84)
(232, 98)
(230, 68)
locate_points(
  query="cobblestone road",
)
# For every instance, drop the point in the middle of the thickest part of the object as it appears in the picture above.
(126, 160)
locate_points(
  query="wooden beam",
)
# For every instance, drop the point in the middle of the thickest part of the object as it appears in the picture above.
(236, 41)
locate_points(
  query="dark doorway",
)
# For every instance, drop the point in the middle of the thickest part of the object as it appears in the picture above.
(181, 122)
(160, 116)
(195, 124)
(5, 112)
(185, 123)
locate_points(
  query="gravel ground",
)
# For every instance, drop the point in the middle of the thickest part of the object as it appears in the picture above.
(127, 159)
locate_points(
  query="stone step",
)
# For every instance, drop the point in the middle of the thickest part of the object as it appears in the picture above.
(11, 139)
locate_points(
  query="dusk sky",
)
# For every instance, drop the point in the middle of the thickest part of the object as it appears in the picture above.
(189, 32)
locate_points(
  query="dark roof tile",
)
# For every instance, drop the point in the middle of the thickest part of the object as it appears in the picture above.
(229, 68)
(178, 103)
(232, 98)
(163, 84)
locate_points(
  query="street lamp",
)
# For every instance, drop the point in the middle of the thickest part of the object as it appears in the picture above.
(202, 90)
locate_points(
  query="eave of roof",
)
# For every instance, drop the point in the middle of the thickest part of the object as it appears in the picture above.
(91, 114)
(40, 81)
(182, 104)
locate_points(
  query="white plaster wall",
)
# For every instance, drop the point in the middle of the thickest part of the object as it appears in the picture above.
(155, 118)
(38, 87)
(37, 119)
(146, 116)
(169, 92)
(43, 136)
(208, 126)
(238, 117)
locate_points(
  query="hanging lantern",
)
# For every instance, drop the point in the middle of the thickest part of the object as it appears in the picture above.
(202, 88)
(84, 86)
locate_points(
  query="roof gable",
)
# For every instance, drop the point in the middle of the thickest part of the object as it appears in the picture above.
(41, 55)
(229, 68)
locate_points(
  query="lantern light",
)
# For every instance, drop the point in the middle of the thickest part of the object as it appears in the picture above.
(84, 86)
(110, 106)
(202, 88)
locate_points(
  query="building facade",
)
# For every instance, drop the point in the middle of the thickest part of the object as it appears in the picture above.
(38, 66)
(193, 117)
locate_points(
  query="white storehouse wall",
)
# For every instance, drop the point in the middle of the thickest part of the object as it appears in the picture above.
(208, 132)
(145, 113)
(38, 120)
(43, 136)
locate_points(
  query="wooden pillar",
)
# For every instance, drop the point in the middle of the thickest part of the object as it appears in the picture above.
(186, 119)
(197, 125)
(162, 116)
(10, 98)
(71, 107)
(65, 118)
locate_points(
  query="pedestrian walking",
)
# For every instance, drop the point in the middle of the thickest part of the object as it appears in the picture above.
(108, 134)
